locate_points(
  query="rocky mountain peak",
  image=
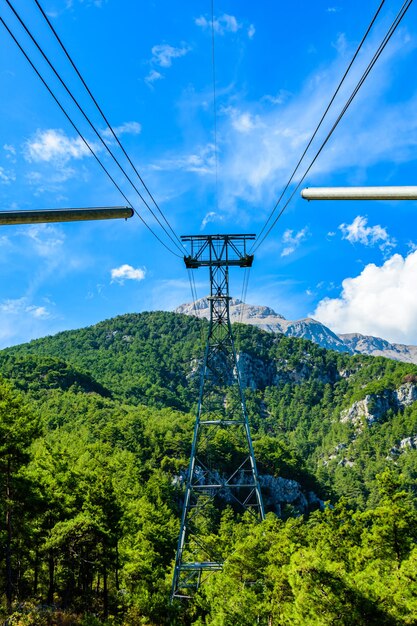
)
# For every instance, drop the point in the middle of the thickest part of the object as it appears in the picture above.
(269, 320)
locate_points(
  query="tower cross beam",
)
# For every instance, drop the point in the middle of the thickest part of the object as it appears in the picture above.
(218, 251)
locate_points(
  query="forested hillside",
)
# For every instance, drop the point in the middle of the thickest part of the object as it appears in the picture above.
(95, 431)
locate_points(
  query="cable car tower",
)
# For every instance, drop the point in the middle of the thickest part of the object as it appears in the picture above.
(221, 417)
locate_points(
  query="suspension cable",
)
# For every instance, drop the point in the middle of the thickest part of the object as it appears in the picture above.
(194, 298)
(406, 5)
(97, 133)
(105, 119)
(213, 63)
(103, 167)
(245, 284)
(322, 118)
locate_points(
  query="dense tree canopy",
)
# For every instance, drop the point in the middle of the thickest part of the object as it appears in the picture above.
(95, 431)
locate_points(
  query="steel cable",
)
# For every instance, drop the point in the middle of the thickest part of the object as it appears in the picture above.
(106, 120)
(400, 15)
(86, 117)
(82, 136)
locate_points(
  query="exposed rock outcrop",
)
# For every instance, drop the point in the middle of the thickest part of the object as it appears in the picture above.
(373, 407)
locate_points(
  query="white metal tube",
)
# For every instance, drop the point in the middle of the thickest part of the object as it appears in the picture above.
(359, 193)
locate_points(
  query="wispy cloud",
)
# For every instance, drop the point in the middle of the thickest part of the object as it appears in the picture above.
(202, 161)
(88, 3)
(242, 121)
(381, 301)
(163, 54)
(259, 143)
(46, 240)
(10, 151)
(211, 216)
(281, 97)
(223, 24)
(6, 177)
(127, 272)
(359, 232)
(128, 128)
(168, 294)
(293, 240)
(152, 77)
(21, 319)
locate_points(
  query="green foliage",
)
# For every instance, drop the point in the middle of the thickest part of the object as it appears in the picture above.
(98, 435)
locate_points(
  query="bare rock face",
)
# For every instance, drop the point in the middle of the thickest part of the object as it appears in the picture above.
(256, 373)
(369, 410)
(375, 346)
(313, 330)
(373, 407)
(277, 492)
(406, 394)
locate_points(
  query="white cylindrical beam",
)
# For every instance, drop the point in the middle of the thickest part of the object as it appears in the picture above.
(64, 215)
(359, 193)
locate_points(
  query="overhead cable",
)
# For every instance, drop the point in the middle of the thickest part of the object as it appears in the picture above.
(86, 143)
(213, 63)
(400, 15)
(332, 99)
(86, 117)
(245, 285)
(109, 126)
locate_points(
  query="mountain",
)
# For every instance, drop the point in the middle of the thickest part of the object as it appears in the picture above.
(267, 319)
(366, 344)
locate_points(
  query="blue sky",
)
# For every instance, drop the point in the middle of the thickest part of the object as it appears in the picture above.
(351, 265)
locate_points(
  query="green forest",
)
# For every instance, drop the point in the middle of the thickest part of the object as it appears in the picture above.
(95, 431)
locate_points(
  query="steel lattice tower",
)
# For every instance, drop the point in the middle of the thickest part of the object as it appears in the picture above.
(221, 407)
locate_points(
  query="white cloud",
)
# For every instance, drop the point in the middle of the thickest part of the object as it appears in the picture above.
(224, 24)
(292, 241)
(39, 312)
(381, 301)
(128, 128)
(152, 77)
(209, 217)
(54, 145)
(359, 232)
(163, 54)
(251, 31)
(242, 121)
(127, 272)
